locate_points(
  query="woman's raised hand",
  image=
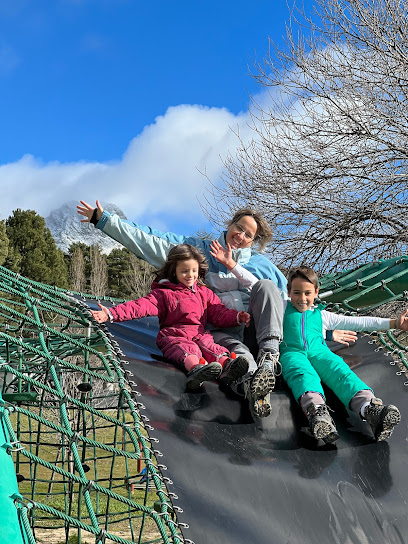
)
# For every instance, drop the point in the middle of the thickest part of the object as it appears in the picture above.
(101, 315)
(223, 256)
(87, 211)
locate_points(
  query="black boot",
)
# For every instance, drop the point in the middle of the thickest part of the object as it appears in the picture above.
(382, 419)
(321, 423)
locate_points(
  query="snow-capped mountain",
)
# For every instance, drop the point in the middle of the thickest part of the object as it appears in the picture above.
(66, 228)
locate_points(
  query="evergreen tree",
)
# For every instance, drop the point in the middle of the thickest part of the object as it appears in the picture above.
(32, 242)
(118, 263)
(13, 259)
(4, 243)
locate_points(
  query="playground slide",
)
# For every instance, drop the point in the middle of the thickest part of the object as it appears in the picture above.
(240, 481)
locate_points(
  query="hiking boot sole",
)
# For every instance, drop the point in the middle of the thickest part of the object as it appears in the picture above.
(390, 418)
(209, 373)
(238, 369)
(262, 383)
(261, 407)
(325, 431)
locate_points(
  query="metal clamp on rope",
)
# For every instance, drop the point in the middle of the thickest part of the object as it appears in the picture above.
(63, 400)
(25, 503)
(89, 485)
(169, 494)
(51, 362)
(101, 537)
(73, 439)
(12, 450)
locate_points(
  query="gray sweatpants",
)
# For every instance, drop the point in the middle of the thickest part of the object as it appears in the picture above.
(266, 309)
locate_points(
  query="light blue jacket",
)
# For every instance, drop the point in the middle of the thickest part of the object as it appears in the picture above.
(153, 246)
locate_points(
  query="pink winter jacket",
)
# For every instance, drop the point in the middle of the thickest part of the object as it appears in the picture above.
(179, 308)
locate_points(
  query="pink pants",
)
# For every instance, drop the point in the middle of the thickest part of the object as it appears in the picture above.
(176, 348)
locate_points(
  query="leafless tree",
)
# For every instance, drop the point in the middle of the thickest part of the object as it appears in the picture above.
(77, 271)
(139, 276)
(99, 271)
(328, 160)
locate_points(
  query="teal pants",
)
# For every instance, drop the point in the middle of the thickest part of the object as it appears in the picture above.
(305, 371)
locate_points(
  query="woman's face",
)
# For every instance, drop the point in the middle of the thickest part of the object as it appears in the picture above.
(242, 233)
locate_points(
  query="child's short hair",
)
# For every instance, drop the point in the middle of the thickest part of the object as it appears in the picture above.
(182, 252)
(304, 272)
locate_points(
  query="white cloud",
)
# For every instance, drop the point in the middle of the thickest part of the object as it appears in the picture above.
(158, 173)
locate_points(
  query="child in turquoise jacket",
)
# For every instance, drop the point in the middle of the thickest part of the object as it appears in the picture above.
(307, 362)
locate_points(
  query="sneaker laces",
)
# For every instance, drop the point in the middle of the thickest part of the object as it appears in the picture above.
(270, 360)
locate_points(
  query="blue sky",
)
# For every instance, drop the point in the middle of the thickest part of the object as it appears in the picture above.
(125, 100)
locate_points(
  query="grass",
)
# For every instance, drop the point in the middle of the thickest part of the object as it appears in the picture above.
(110, 471)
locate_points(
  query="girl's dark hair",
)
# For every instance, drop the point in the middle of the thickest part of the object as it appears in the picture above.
(182, 252)
(304, 272)
(263, 229)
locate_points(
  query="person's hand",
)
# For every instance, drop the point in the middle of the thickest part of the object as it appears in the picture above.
(87, 211)
(101, 315)
(244, 317)
(344, 337)
(223, 256)
(401, 322)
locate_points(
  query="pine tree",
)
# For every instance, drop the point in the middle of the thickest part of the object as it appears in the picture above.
(32, 242)
(4, 243)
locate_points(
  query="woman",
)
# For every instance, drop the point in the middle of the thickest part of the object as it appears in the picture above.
(246, 230)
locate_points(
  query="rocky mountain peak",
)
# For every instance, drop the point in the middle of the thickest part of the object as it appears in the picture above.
(66, 228)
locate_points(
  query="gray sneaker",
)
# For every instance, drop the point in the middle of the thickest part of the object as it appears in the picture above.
(382, 419)
(258, 406)
(233, 369)
(202, 373)
(321, 424)
(263, 382)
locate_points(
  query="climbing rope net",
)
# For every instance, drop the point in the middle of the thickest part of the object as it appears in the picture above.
(83, 465)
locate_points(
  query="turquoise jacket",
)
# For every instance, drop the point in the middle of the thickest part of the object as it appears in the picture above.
(302, 331)
(307, 362)
(153, 246)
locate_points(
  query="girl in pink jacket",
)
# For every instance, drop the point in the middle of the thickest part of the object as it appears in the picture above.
(184, 305)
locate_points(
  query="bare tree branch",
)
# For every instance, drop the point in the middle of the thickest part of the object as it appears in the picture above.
(328, 160)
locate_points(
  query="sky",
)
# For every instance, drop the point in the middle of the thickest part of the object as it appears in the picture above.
(126, 101)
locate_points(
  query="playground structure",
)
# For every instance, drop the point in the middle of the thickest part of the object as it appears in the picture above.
(78, 455)
(75, 450)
